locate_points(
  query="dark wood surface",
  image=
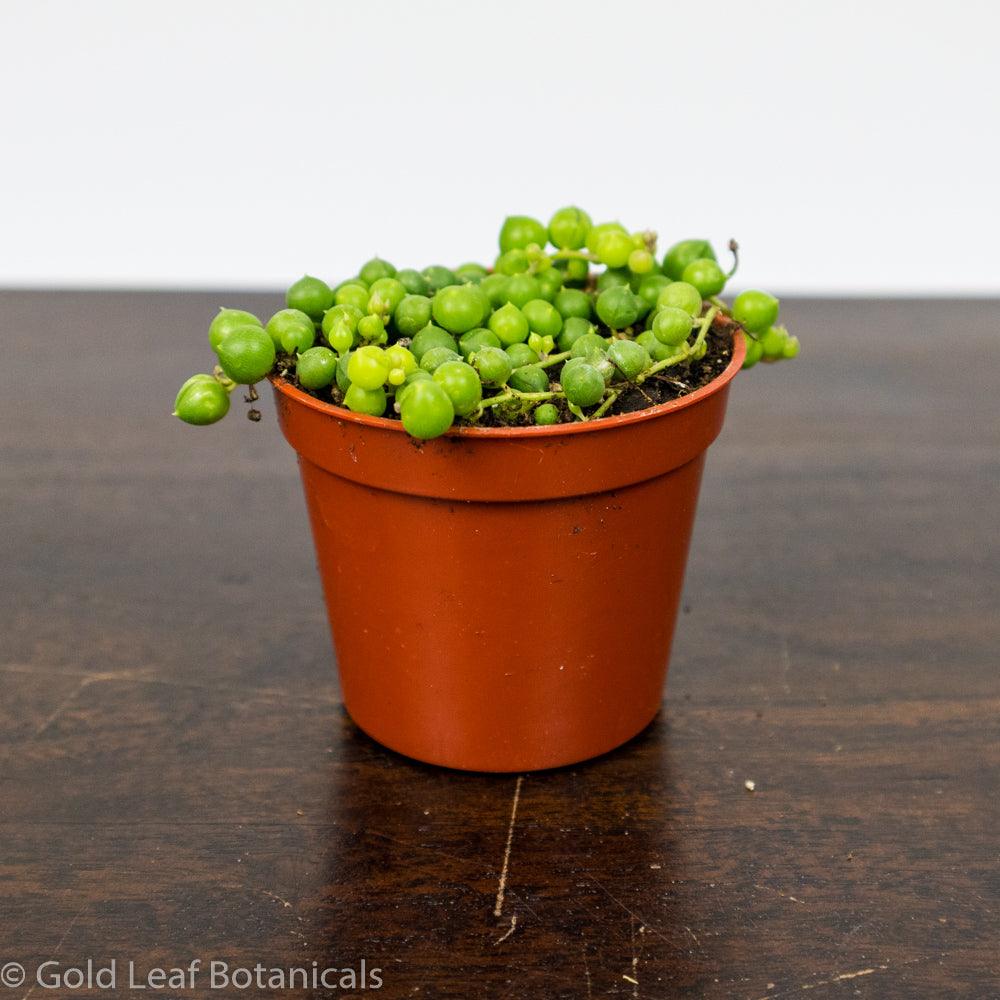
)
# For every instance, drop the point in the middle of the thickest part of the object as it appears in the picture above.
(178, 779)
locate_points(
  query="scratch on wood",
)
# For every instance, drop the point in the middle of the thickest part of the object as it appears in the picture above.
(634, 978)
(786, 656)
(284, 902)
(513, 924)
(416, 847)
(779, 892)
(142, 675)
(614, 899)
(839, 978)
(846, 975)
(523, 904)
(62, 941)
(63, 705)
(502, 886)
(586, 971)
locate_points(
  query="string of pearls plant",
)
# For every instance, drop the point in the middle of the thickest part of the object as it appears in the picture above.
(569, 317)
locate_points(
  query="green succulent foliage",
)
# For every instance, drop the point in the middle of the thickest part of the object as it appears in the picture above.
(571, 315)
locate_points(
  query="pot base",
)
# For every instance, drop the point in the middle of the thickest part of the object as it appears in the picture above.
(529, 759)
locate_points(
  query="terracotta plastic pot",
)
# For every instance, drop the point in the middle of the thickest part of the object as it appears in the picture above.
(473, 581)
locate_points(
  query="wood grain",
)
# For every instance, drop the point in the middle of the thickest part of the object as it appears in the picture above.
(178, 779)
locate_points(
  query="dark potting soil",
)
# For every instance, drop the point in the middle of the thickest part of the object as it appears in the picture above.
(672, 383)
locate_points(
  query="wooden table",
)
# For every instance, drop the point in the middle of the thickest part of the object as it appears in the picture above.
(178, 780)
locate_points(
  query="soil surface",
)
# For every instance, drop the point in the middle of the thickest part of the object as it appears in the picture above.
(672, 383)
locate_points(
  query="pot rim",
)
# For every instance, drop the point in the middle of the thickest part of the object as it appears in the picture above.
(552, 430)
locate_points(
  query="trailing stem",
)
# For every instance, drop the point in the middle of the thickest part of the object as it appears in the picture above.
(686, 351)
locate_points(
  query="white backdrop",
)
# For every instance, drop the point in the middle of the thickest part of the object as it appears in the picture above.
(851, 147)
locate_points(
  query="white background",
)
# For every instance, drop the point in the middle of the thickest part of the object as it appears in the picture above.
(851, 147)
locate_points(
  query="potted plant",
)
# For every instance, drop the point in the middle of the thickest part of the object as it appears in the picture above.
(489, 457)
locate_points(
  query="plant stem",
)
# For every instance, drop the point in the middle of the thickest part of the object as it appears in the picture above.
(606, 405)
(223, 379)
(706, 325)
(686, 350)
(511, 394)
(574, 255)
(497, 400)
(552, 359)
(734, 249)
(533, 397)
(660, 365)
